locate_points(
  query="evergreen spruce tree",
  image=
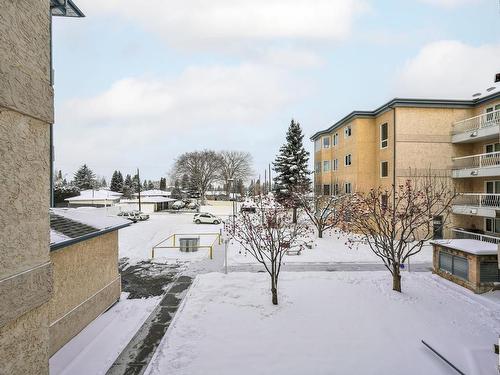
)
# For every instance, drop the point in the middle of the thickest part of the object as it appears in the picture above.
(127, 187)
(145, 185)
(116, 182)
(163, 184)
(151, 185)
(292, 174)
(136, 183)
(84, 178)
(185, 183)
(103, 183)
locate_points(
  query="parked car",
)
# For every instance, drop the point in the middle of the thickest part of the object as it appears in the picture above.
(206, 218)
(177, 205)
(192, 205)
(141, 216)
(130, 216)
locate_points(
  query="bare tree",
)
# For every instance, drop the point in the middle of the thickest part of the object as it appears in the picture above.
(235, 165)
(396, 222)
(201, 167)
(269, 234)
(324, 211)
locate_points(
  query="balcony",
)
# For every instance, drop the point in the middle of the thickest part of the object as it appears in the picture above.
(476, 204)
(481, 165)
(465, 235)
(477, 128)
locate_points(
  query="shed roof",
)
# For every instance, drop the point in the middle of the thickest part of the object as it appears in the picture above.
(470, 246)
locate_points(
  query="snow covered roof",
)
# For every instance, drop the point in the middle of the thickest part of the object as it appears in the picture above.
(470, 246)
(154, 193)
(86, 195)
(71, 225)
(148, 199)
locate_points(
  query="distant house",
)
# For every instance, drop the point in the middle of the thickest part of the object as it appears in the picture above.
(151, 201)
(86, 281)
(94, 198)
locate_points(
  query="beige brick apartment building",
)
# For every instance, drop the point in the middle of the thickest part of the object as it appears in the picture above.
(454, 138)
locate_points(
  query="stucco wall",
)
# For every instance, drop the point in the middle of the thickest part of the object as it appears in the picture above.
(86, 282)
(26, 111)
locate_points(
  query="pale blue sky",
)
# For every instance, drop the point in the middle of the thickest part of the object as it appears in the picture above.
(139, 82)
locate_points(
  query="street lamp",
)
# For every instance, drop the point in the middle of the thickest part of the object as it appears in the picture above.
(231, 181)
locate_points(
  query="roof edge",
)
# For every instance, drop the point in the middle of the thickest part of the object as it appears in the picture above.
(72, 241)
(407, 102)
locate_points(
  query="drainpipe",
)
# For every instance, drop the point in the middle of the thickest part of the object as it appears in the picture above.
(394, 156)
(51, 125)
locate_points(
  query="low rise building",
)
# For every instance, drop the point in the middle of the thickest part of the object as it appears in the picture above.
(86, 281)
(94, 198)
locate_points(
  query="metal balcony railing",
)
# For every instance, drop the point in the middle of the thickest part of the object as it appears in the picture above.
(463, 234)
(478, 200)
(487, 160)
(484, 120)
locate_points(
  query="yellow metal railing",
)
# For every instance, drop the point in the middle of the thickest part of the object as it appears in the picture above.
(176, 235)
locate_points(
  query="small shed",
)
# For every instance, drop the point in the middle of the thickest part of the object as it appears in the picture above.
(470, 263)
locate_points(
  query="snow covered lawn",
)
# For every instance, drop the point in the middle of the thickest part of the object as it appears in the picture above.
(329, 323)
(97, 346)
(330, 248)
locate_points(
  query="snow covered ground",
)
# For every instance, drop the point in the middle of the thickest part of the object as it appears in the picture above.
(329, 323)
(96, 347)
(137, 240)
(331, 248)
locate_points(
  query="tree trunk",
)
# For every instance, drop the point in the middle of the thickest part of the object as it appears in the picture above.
(320, 231)
(396, 279)
(294, 215)
(274, 290)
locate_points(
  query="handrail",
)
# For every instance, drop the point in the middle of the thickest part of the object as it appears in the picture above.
(477, 116)
(484, 120)
(491, 154)
(463, 234)
(478, 200)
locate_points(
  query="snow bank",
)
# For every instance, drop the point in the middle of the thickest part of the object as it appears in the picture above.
(328, 323)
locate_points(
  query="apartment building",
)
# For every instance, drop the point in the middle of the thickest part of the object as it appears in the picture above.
(454, 138)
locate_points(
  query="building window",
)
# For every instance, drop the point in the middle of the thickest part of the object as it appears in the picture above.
(317, 145)
(348, 160)
(494, 147)
(348, 188)
(326, 142)
(317, 167)
(454, 264)
(336, 189)
(347, 131)
(492, 187)
(492, 225)
(384, 135)
(336, 139)
(335, 165)
(383, 201)
(489, 272)
(326, 166)
(326, 189)
(384, 168)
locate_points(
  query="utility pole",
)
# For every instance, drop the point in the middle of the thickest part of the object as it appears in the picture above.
(270, 180)
(139, 183)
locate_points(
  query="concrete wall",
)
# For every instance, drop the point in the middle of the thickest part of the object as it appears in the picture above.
(26, 111)
(86, 283)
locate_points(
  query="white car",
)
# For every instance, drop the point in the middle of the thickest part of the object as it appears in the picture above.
(206, 218)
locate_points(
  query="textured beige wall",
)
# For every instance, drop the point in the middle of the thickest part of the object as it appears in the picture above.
(80, 272)
(26, 111)
(25, 58)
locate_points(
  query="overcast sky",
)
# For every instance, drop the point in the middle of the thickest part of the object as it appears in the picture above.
(139, 82)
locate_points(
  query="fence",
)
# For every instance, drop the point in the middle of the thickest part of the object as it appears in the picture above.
(462, 234)
(175, 236)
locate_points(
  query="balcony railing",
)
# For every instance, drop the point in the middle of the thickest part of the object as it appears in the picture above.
(465, 235)
(478, 200)
(484, 120)
(488, 160)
